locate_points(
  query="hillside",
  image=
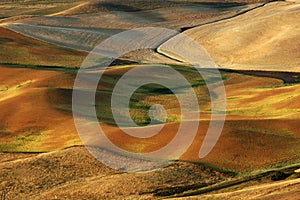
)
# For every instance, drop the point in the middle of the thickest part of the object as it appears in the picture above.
(256, 45)
(266, 38)
(74, 173)
(80, 28)
(18, 49)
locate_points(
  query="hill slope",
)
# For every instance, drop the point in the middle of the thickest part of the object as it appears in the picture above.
(267, 38)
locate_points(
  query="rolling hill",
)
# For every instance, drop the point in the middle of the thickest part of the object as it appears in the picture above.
(266, 38)
(256, 43)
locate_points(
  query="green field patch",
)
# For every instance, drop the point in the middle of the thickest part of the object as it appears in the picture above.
(234, 98)
(142, 99)
(26, 140)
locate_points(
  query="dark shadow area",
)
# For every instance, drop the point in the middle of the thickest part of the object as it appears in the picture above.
(5, 40)
(154, 89)
(110, 6)
(142, 13)
(286, 77)
(218, 5)
(135, 6)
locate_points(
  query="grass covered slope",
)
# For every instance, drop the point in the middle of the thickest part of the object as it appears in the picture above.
(41, 155)
(19, 49)
(261, 122)
(253, 107)
(74, 173)
(29, 123)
